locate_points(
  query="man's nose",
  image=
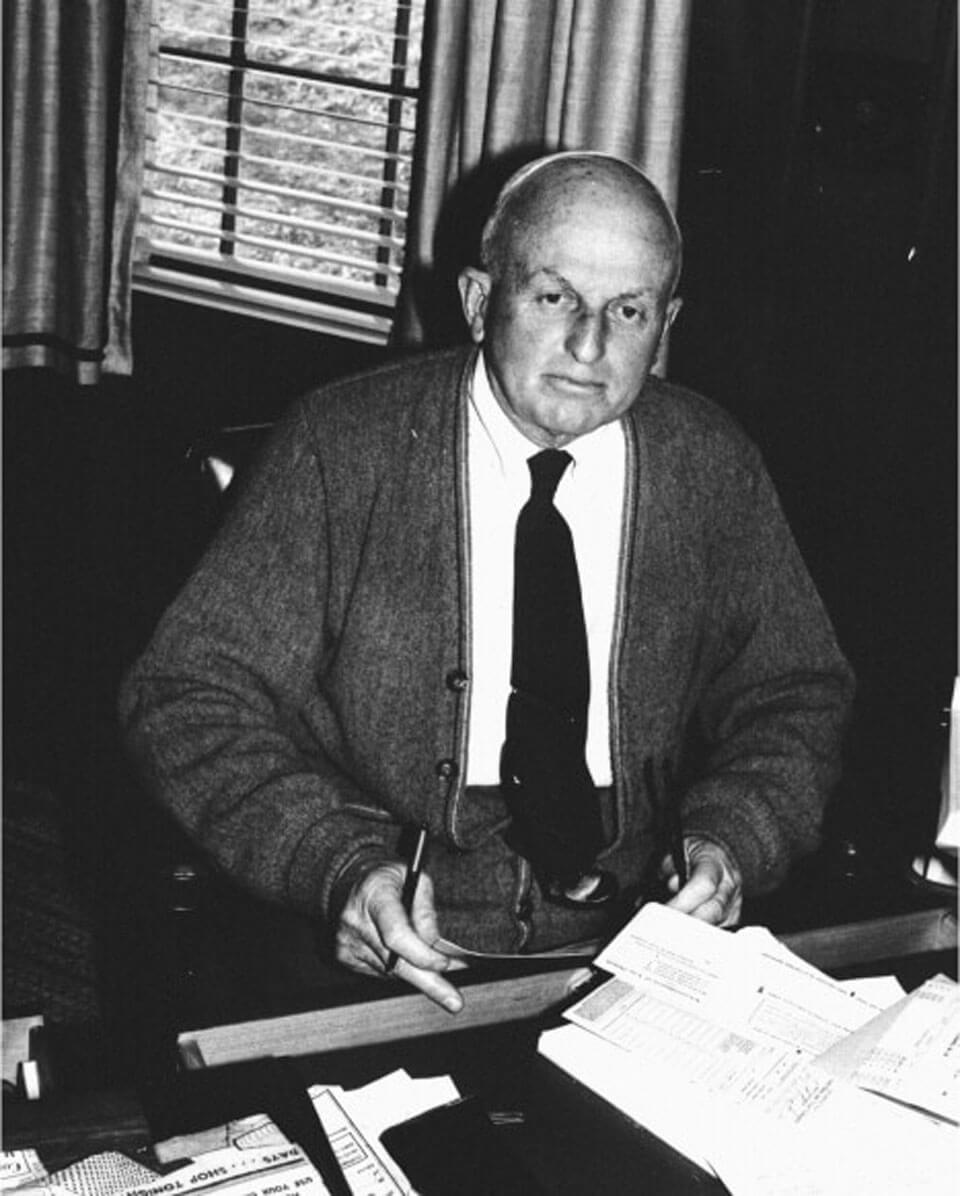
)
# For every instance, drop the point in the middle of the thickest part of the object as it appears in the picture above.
(586, 339)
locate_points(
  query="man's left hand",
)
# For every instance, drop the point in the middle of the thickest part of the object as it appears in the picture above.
(714, 888)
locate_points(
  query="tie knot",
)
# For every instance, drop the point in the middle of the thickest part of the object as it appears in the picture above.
(546, 470)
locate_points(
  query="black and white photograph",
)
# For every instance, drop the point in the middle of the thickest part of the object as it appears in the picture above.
(481, 699)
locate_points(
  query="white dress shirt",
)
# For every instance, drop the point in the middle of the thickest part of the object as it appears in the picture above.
(590, 498)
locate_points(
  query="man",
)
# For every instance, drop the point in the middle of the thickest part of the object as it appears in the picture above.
(339, 667)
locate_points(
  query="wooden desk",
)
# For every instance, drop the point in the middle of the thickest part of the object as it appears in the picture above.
(574, 1143)
(849, 946)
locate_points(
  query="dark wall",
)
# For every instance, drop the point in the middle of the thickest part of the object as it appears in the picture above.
(818, 201)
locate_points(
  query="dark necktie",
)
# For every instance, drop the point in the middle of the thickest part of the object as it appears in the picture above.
(550, 659)
(544, 777)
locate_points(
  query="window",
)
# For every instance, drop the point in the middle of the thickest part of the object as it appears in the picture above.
(278, 167)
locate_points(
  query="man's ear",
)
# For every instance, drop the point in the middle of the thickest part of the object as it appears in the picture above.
(659, 362)
(474, 287)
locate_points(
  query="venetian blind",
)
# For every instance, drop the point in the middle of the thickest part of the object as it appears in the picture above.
(278, 167)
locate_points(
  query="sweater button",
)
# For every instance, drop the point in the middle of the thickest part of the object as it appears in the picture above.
(456, 680)
(446, 769)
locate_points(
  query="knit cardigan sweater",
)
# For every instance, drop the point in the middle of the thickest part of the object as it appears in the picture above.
(307, 694)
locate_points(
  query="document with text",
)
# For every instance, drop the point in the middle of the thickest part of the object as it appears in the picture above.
(910, 1053)
(354, 1120)
(746, 981)
(699, 1032)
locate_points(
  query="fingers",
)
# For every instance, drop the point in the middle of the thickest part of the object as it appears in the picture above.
(374, 923)
(431, 984)
(713, 892)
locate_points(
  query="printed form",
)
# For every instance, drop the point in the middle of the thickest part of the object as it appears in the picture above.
(710, 1039)
(746, 981)
(354, 1120)
(911, 1053)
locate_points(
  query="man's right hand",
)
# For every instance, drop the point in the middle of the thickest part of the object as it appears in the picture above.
(373, 923)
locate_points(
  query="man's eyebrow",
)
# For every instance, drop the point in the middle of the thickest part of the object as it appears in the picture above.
(552, 275)
(639, 292)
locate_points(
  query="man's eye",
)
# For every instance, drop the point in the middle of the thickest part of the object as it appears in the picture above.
(631, 314)
(552, 298)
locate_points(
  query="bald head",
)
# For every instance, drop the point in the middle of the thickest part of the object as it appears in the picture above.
(542, 190)
(580, 261)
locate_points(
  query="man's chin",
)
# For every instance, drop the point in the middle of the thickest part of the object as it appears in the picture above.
(553, 424)
(568, 425)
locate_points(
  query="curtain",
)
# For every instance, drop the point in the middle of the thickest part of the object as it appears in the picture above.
(74, 113)
(504, 81)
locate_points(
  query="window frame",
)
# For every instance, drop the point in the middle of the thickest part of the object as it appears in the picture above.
(341, 307)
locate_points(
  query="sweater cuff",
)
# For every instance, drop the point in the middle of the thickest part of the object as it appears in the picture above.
(744, 847)
(322, 874)
(360, 864)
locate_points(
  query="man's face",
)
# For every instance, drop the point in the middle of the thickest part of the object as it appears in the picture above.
(572, 329)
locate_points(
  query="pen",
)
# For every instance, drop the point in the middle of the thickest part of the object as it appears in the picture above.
(678, 851)
(410, 884)
(675, 824)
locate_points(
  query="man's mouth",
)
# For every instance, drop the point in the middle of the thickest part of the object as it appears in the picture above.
(575, 387)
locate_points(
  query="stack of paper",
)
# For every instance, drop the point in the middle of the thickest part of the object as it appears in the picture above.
(910, 1053)
(711, 1040)
(251, 1156)
(282, 1170)
(353, 1121)
(21, 1169)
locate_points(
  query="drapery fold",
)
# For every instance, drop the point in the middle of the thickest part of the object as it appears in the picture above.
(75, 105)
(505, 80)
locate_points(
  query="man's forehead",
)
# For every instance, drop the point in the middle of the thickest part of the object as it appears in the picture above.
(553, 211)
(590, 229)
(634, 251)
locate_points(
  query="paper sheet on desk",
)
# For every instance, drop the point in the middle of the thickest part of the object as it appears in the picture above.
(767, 1120)
(850, 1143)
(746, 981)
(245, 1133)
(882, 991)
(280, 1170)
(698, 1026)
(20, 1167)
(104, 1173)
(22, 1170)
(354, 1120)
(395, 1097)
(653, 1091)
(910, 1052)
(677, 1072)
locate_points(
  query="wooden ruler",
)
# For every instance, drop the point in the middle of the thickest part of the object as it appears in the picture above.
(515, 999)
(384, 1020)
